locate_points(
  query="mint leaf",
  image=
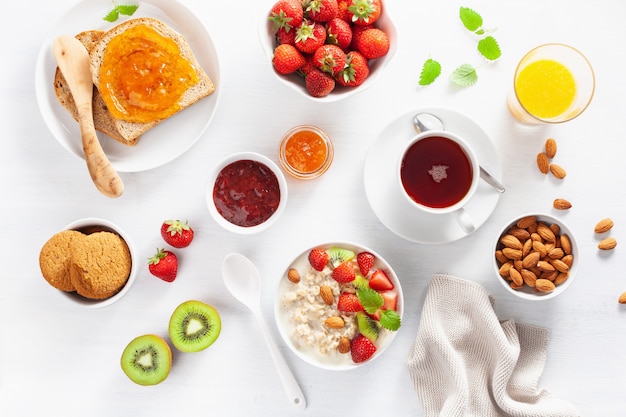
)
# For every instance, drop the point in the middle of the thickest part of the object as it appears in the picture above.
(430, 71)
(128, 9)
(370, 299)
(390, 320)
(120, 9)
(489, 48)
(464, 76)
(112, 16)
(471, 19)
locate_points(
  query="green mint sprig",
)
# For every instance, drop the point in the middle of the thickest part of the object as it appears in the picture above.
(120, 9)
(465, 75)
(372, 302)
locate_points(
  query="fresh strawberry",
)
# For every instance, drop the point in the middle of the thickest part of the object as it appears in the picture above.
(390, 302)
(380, 282)
(308, 65)
(357, 31)
(284, 36)
(349, 302)
(318, 258)
(164, 265)
(343, 13)
(339, 32)
(310, 36)
(344, 272)
(286, 14)
(287, 59)
(322, 10)
(365, 261)
(365, 12)
(319, 83)
(329, 58)
(373, 43)
(355, 72)
(361, 348)
(177, 233)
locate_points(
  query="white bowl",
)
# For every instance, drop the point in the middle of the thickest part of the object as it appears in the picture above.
(333, 360)
(282, 184)
(296, 82)
(91, 225)
(527, 292)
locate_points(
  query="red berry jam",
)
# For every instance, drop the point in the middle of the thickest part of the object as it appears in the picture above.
(246, 193)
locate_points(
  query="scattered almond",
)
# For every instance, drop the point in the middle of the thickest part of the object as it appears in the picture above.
(550, 148)
(558, 171)
(607, 244)
(562, 204)
(293, 275)
(327, 294)
(334, 322)
(543, 163)
(603, 226)
(344, 345)
(622, 298)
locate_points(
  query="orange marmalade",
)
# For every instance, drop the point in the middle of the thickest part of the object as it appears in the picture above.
(306, 152)
(143, 75)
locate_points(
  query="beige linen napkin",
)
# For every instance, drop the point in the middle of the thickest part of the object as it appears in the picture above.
(465, 362)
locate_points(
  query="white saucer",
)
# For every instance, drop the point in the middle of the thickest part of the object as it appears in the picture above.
(169, 139)
(390, 206)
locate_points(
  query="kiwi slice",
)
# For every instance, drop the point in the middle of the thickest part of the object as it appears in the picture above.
(337, 255)
(147, 360)
(368, 327)
(194, 326)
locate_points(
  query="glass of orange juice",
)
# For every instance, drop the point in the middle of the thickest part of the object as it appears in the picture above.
(553, 83)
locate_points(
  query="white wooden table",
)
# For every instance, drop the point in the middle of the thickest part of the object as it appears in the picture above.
(64, 360)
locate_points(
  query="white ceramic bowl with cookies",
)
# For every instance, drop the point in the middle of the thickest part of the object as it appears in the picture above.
(267, 36)
(91, 262)
(535, 256)
(246, 193)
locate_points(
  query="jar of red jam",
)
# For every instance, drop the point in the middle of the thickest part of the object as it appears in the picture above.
(306, 152)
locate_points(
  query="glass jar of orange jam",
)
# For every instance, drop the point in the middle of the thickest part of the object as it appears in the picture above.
(306, 152)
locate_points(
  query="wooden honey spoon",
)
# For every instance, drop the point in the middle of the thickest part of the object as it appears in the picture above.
(73, 61)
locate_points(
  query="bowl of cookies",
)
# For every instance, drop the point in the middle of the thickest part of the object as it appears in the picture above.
(535, 256)
(339, 305)
(91, 262)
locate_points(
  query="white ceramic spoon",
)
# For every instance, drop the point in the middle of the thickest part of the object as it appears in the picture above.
(243, 280)
(73, 61)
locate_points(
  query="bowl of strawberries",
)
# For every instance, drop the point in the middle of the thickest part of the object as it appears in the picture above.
(339, 305)
(328, 49)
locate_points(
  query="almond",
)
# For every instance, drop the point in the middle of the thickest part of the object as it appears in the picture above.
(293, 275)
(511, 241)
(538, 246)
(566, 244)
(607, 244)
(559, 265)
(526, 222)
(622, 298)
(561, 204)
(603, 226)
(543, 163)
(529, 277)
(531, 260)
(561, 278)
(327, 294)
(334, 322)
(344, 345)
(558, 171)
(545, 266)
(521, 234)
(550, 148)
(544, 285)
(512, 253)
(500, 257)
(556, 253)
(545, 232)
(516, 277)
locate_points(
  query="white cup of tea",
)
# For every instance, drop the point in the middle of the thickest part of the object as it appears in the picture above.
(438, 173)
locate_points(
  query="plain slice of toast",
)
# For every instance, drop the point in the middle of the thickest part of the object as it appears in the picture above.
(203, 88)
(103, 121)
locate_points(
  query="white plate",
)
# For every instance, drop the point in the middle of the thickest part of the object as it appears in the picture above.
(394, 211)
(166, 141)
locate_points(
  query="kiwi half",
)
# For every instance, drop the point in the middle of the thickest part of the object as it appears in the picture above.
(147, 360)
(337, 255)
(194, 326)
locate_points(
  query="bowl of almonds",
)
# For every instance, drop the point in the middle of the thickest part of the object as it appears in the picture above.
(536, 257)
(339, 305)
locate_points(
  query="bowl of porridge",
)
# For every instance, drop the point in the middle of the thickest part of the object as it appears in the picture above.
(339, 305)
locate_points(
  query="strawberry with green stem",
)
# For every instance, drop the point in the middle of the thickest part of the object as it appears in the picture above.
(310, 36)
(177, 233)
(365, 12)
(330, 59)
(286, 14)
(355, 72)
(339, 32)
(163, 265)
(322, 10)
